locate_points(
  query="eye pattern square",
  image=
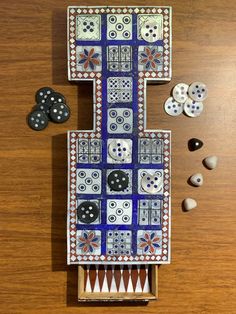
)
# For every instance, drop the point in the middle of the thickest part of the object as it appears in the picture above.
(89, 151)
(119, 89)
(149, 212)
(88, 242)
(88, 27)
(88, 181)
(119, 58)
(89, 58)
(119, 26)
(150, 58)
(149, 242)
(119, 242)
(120, 120)
(150, 151)
(119, 212)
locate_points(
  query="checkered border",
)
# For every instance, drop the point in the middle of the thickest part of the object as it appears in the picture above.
(73, 258)
(73, 74)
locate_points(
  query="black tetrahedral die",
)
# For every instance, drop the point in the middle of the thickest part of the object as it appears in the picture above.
(119, 172)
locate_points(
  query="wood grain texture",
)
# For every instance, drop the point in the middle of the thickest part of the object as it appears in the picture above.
(34, 275)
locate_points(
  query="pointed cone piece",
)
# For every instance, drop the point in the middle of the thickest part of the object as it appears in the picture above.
(196, 179)
(189, 203)
(194, 144)
(210, 162)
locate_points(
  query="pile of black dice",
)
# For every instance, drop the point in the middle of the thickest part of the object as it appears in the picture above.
(50, 106)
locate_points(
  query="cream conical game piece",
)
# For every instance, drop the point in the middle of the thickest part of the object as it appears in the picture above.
(196, 179)
(189, 203)
(211, 162)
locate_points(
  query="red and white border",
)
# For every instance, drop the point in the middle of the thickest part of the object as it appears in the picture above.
(72, 256)
(73, 11)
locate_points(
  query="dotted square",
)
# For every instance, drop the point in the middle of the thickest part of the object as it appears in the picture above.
(119, 26)
(88, 27)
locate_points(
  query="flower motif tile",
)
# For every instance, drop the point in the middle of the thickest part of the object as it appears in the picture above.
(88, 242)
(150, 58)
(88, 27)
(89, 58)
(149, 242)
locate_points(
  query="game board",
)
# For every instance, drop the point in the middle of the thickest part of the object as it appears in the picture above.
(119, 173)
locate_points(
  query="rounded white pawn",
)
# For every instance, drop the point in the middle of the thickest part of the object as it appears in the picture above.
(211, 162)
(196, 179)
(198, 91)
(172, 107)
(180, 92)
(189, 203)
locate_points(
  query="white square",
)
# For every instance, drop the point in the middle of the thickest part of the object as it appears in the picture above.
(152, 173)
(89, 58)
(88, 27)
(120, 120)
(119, 26)
(114, 142)
(88, 181)
(119, 89)
(119, 242)
(145, 18)
(119, 212)
(88, 242)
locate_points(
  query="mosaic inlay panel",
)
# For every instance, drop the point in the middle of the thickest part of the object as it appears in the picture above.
(119, 172)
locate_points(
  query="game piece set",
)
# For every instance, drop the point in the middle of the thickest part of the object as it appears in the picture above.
(186, 98)
(196, 179)
(50, 106)
(119, 172)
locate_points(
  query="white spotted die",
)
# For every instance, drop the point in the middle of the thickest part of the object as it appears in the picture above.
(180, 92)
(172, 107)
(193, 108)
(198, 91)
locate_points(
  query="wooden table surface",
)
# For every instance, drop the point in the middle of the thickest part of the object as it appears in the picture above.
(34, 275)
